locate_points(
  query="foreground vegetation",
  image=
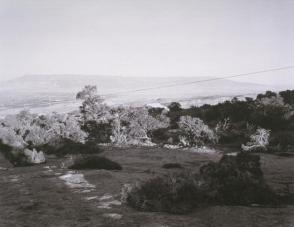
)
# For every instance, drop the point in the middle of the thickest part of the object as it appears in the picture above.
(234, 180)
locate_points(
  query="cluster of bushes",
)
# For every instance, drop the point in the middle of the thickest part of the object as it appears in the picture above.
(234, 180)
(235, 122)
(118, 125)
(27, 134)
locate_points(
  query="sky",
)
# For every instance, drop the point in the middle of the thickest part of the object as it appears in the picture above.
(147, 38)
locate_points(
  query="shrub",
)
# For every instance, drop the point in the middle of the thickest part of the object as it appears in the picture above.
(160, 136)
(237, 180)
(173, 193)
(258, 141)
(281, 141)
(195, 132)
(172, 166)
(174, 114)
(134, 125)
(97, 131)
(95, 162)
(63, 147)
(14, 156)
(234, 180)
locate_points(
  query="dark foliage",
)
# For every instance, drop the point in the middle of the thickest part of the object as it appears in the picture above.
(155, 111)
(234, 180)
(277, 118)
(15, 157)
(172, 166)
(267, 94)
(172, 193)
(288, 97)
(98, 132)
(281, 141)
(95, 162)
(174, 114)
(237, 180)
(160, 136)
(65, 146)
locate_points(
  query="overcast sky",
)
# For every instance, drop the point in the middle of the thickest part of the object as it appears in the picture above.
(147, 37)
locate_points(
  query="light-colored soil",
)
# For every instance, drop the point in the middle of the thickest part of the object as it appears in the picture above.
(39, 196)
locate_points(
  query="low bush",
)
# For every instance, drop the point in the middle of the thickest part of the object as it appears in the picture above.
(63, 147)
(281, 141)
(234, 180)
(173, 193)
(95, 162)
(172, 166)
(237, 180)
(14, 156)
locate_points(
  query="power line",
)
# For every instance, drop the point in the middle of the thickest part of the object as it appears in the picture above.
(204, 80)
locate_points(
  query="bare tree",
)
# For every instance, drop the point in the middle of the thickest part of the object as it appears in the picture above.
(258, 141)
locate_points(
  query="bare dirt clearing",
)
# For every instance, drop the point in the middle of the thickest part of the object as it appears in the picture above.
(39, 195)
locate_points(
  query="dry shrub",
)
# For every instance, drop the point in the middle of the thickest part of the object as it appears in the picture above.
(95, 162)
(172, 166)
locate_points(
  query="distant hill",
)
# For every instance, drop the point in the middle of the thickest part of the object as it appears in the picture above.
(37, 91)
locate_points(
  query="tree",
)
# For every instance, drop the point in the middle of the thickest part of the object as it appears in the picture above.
(175, 111)
(288, 96)
(9, 137)
(195, 132)
(271, 112)
(135, 124)
(28, 129)
(119, 129)
(93, 107)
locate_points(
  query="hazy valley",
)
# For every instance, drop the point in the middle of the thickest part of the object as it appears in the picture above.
(46, 93)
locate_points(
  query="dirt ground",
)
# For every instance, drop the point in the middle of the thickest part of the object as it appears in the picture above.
(37, 196)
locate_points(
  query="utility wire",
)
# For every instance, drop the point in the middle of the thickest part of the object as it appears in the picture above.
(204, 80)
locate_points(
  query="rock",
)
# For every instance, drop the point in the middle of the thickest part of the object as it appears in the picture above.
(34, 157)
(113, 216)
(126, 189)
(76, 180)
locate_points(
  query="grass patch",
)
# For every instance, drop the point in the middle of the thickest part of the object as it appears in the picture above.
(172, 166)
(95, 162)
